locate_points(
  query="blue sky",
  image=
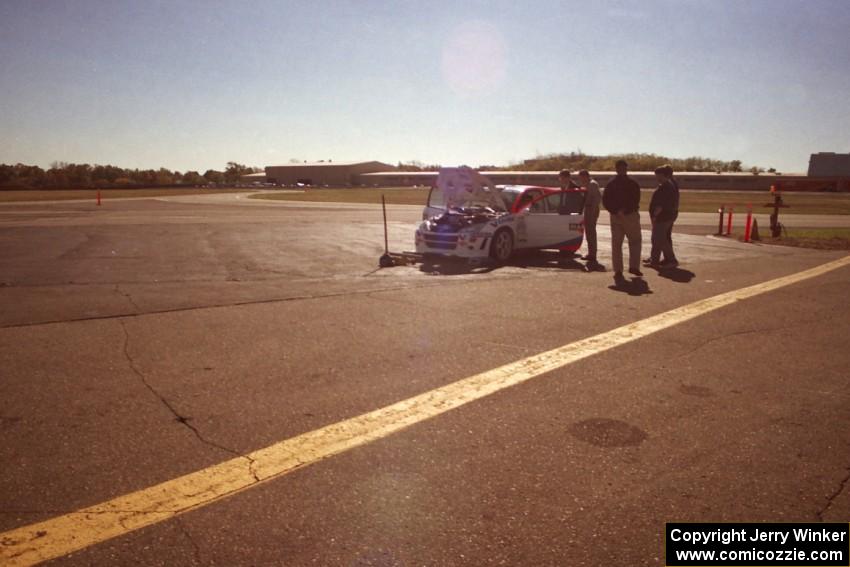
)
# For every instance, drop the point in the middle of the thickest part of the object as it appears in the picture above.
(193, 84)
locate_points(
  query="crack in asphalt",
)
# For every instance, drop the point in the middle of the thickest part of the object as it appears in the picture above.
(178, 417)
(724, 336)
(121, 316)
(197, 549)
(128, 296)
(832, 497)
(844, 482)
(746, 332)
(459, 310)
(88, 239)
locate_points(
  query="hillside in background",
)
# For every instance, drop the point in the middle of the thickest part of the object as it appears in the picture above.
(637, 162)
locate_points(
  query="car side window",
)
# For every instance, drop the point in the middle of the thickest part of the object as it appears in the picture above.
(528, 196)
(537, 206)
(573, 202)
(566, 202)
(553, 202)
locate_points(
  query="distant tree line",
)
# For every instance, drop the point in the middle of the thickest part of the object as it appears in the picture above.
(637, 162)
(579, 160)
(415, 165)
(63, 175)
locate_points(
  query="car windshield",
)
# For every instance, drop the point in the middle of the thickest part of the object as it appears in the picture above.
(509, 196)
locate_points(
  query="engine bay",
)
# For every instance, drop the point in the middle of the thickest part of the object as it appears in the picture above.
(456, 219)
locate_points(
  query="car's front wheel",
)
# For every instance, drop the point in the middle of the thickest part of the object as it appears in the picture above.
(502, 246)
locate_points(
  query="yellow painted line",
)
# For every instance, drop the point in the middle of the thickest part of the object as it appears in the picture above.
(59, 536)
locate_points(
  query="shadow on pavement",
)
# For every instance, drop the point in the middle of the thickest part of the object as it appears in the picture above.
(547, 259)
(521, 259)
(636, 287)
(454, 267)
(677, 274)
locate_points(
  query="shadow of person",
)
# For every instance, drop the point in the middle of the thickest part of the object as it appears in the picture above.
(677, 274)
(635, 287)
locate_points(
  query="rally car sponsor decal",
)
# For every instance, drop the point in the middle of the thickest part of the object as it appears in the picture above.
(502, 220)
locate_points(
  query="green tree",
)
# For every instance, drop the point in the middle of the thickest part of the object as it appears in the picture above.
(637, 162)
(213, 176)
(79, 175)
(234, 171)
(192, 178)
(163, 177)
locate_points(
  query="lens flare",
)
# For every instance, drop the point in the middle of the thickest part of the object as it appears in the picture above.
(474, 59)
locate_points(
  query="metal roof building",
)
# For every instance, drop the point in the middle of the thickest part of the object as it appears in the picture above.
(323, 172)
(687, 180)
(825, 174)
(829, 164)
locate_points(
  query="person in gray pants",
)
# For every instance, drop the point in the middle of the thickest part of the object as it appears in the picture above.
(592, 201)
(622, 200)
(663, 210)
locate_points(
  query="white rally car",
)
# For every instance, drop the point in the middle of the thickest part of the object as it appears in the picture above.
(466, 216)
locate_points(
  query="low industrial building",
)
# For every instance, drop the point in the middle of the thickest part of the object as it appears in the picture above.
(827, 172)
(687, 180)
(320, 173)
(829, 164)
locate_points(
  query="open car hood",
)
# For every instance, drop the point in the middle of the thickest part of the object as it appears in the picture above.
(464, 188)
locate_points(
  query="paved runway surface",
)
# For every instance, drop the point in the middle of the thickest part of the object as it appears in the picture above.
(149, 339)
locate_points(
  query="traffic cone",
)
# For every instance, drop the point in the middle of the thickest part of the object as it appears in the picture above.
(754, 232)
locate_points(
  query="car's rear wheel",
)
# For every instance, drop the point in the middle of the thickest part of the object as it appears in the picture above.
(502, 246)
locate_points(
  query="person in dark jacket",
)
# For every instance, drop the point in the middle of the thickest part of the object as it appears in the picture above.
(663, 210)
(622, 200)
(565, 180)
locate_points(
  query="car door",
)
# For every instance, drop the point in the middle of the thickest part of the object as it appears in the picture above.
(558, 223)
(528, 204)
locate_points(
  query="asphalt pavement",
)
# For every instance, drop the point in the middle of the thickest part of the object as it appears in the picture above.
(148, 339)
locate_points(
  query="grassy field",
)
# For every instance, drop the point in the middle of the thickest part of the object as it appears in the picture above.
(799, 203)
(72, 194)
(822, 239)
(393, 195)
(690, 201)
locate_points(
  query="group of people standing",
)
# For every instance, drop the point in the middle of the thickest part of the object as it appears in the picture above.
(621, 199)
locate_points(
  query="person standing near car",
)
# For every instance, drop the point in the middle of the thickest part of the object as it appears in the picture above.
(566, 181)
(622, 200)
(663, 210)
(592, 201)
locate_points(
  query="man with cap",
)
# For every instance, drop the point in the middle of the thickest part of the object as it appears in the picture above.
(622, 200)
(565, 180)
